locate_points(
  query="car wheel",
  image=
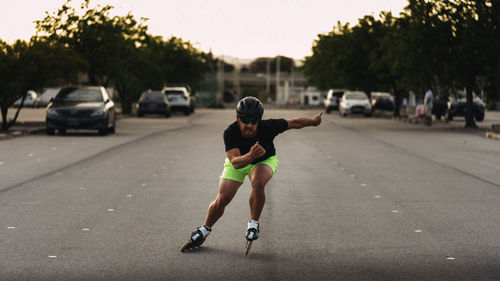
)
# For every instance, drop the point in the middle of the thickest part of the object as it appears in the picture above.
(328, 110)
(103, 132)
(449, 117)
(62, 131)
(140, 114)
(480, 118)
(368, 114)
(51, 131)
(186, 111)
(112, 129)
(168, 114)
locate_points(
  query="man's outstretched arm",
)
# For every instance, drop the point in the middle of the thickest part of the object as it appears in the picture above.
(301, 122)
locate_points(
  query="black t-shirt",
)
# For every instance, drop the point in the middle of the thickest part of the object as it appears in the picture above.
(266, 131)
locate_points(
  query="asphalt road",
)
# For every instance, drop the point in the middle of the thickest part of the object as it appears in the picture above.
(353, 199)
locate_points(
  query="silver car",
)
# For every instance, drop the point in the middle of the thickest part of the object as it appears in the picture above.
(353, 102)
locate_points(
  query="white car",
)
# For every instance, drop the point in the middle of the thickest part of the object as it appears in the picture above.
(353, 102)
(179, 98)
(332, 100)
(32, 100)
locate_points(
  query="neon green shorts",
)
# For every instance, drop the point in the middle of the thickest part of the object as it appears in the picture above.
(238, 175)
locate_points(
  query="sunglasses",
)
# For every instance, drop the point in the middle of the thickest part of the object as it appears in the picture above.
(248, 120)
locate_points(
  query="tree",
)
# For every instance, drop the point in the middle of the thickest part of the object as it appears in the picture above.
(105, 42)
(343, 58)
(121, 53)
(31, 66)
(475, 43)
(259, 65)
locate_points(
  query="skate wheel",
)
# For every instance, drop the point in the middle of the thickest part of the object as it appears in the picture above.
(249, 245)
(187, 246)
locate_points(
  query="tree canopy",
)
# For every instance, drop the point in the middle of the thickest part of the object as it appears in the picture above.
(111, 51)
(450, 45)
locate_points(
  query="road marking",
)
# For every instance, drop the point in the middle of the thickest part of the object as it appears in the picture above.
(31, 155)
(54, 148)
(11, 227)
(111, 210)
(85, 229)
(378, 196)
(342, 168)
(1, 163)
(82, 188)
(143, 184)
(364, 184)
(52, 257)
(155, 175)
(352, 176)
(418, 230)
(450, 258)
(129, 195)
(395, 211)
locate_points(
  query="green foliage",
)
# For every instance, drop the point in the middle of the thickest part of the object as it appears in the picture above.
(121, 53)
(448, 44)
(258, 92)
(259, 65)
(32, 66)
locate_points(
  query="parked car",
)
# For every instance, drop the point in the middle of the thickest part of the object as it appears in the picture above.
(332, 100)
(440, 106)
(179, 97)
(153, 102)
(353, 102)
(458, 107)
(382, 101)
(32, 100)
(89, 108)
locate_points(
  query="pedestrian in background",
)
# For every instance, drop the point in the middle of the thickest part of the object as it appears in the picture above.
(428, 103)
(404, 107)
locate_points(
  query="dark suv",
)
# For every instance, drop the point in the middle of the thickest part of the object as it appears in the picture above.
(458, 107)
(153, 102)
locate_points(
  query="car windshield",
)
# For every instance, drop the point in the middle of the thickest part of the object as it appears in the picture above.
(174, 93)
(356, 96)
(152, 96)
(80, 95)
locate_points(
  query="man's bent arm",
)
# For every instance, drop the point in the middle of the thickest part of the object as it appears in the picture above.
(240, 161)
(301, 122)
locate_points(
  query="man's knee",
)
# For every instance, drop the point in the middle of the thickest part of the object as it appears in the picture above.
(259, 184)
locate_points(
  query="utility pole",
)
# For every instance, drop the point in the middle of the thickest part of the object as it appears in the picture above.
(220, 81)
(268, 76)
(236, 79)
(278, 92)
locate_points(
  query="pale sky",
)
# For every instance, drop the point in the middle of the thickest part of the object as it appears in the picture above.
(243, 29)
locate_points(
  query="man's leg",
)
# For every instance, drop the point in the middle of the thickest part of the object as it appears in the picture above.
(227, 190)
(259, 177)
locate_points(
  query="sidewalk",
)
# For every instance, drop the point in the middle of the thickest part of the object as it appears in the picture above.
(30, 121)
(490, 128)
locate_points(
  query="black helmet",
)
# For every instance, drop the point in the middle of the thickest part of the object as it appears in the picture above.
(250, 107)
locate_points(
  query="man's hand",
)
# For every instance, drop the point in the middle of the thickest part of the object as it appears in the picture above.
(317, 119)
(257, 151)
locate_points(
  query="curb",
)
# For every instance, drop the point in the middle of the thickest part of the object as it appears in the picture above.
(491, 135)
